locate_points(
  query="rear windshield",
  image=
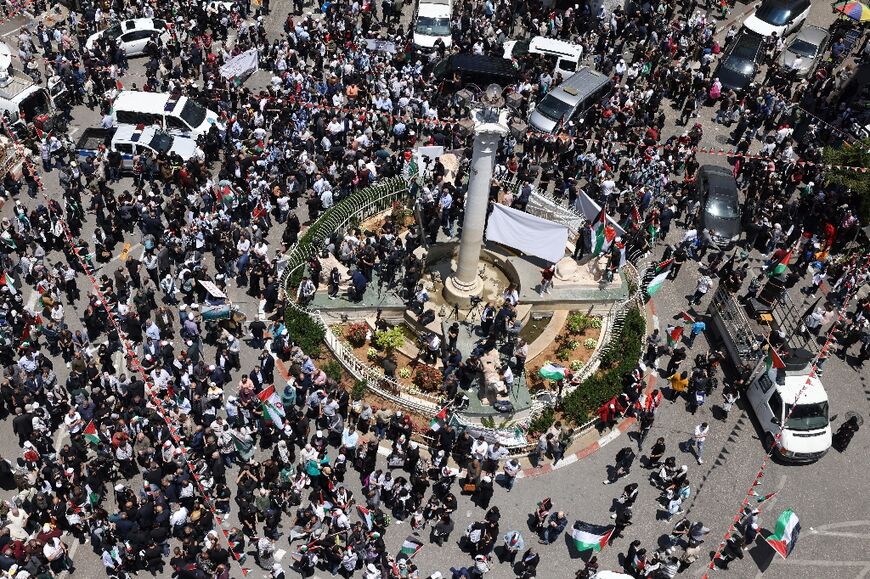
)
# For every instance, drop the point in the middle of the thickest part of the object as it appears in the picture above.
(776, 13)
(193, 114)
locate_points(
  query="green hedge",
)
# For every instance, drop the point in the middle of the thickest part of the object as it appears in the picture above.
(303, 330)
(619, 359)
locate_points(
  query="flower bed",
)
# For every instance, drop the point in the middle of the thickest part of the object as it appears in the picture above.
(572, 348)
(619, 359)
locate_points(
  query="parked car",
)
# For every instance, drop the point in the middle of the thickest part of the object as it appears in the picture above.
(570, 100)
(720, 205)
(478, 70)
(176, 114)
(779, 16)
(133, 35)
(739, 66)
(130, 140)
(560, 56)
(804, 52)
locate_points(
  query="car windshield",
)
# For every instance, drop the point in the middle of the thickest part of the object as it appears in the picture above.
(553, 108)
(521, 48)
(112, 31)
(193, 114)
(775, 13)
(723, 208)
(161, 142)
(807, 416)
(803, 48)
(432, 26)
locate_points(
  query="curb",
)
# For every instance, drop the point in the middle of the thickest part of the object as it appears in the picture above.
(604, 440)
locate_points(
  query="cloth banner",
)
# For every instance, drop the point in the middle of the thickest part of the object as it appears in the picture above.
(530, 234)
(590, 209)
(241, 66)
(378, 45)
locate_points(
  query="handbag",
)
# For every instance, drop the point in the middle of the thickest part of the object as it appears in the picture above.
(469, 488)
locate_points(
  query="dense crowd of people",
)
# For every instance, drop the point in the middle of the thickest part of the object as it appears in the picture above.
(159, 450)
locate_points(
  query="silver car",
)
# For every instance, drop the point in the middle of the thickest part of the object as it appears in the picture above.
(804, 52)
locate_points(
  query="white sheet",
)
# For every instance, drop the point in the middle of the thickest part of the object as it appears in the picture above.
(530, 234)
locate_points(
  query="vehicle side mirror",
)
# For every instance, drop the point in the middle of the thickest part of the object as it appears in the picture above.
(775, 420)
(834, 417)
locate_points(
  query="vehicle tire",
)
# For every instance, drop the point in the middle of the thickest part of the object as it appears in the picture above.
(768, 442)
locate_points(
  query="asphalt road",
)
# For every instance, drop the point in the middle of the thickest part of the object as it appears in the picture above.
(829, 496)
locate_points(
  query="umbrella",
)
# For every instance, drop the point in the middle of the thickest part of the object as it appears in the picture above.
(855, 10)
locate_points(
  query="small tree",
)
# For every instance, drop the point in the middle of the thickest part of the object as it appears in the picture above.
(858, 155)
(389, 340)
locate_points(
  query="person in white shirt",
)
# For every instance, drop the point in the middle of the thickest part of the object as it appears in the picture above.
(696, 443)
(73, 422)
(479, 448)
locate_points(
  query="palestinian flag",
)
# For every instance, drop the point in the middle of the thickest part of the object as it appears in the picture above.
(90, 433)
(552, 372)
(273, 410)
(410, 547)
(604, 232)
(687, 319)
(5, 280)
(365, 515)
(780, 267)
(784, 537)
(653, 232)
(773, 359)
(588, 536)
(635, 215)
(663, 269)
(439, 421)
(675, 336)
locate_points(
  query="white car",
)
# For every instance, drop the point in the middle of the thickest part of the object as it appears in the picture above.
(133, 35)
(779, 16)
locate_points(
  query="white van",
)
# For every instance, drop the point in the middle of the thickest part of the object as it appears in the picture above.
(806, 437)
(564, 57)
(432, 23)
(173, 114)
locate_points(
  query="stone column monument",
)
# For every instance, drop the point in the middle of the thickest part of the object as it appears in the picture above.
(490, 126)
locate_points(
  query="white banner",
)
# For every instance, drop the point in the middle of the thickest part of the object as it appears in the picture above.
(590, 209)
(530, 234)
(241, 66)
(377, 44)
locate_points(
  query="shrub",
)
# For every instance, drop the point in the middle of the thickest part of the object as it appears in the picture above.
(564, 353)
(619, 359)
(578, 322)
(389, 340)
(359, 389)
(357, 333)
(577, 365)
(595, 322)
(333, 370)
(404, 373)
(304, 331)
(542, 421)
(372, 354)
(487, 421)
(428, 378)
(590, 343)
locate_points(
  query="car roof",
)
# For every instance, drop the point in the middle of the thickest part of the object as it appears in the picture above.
(720, 181)
(802, 389)
(483, 63)
(154, 103)
(579, 85)
(812, 34)
(542, 44)
(746, 45)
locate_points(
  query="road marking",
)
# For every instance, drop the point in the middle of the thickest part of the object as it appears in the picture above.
(125, 253)
(13, 31)
(828, 530)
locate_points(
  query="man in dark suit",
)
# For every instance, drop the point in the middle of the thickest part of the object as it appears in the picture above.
(22, 424)
(267, 367)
